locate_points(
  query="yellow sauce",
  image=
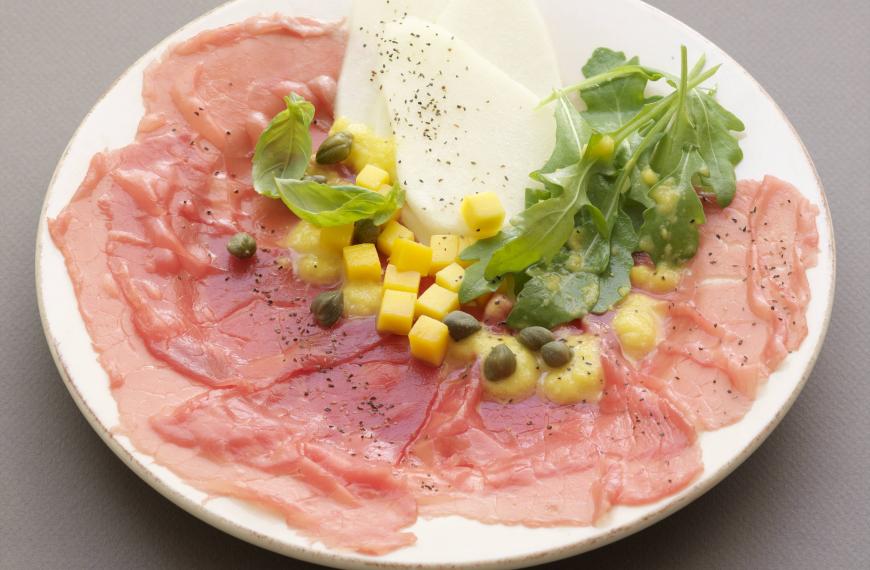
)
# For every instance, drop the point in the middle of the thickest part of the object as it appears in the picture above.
(581, 380)
(663, 279)
(368, 148)
(519, 385)
(361, 298)
(637, 323)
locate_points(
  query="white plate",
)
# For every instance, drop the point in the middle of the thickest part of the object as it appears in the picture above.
(771, 146)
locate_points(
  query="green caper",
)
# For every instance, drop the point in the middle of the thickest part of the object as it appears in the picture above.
(327, 307)
(242, 245)
(499, 363)
(365, 231)
(556, 354)
(335, 148)
(319, 178)
(461, 325)
(534, 338)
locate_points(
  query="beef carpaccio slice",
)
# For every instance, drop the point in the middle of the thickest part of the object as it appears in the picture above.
(220, 373)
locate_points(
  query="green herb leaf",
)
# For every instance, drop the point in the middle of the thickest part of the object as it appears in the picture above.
(474, 283)
(554, 298)
(670, 228)
(717, 146)
(614, 282)
(284, 148)
(545, 227)
(572, 134)
(610, 105)
(327, 206)
(587, 241)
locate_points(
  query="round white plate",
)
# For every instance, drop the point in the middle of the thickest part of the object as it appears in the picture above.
(771, 146)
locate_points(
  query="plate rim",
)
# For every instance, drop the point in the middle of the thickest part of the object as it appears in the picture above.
(348, 559)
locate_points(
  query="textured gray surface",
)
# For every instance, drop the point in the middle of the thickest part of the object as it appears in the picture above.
(802, 501)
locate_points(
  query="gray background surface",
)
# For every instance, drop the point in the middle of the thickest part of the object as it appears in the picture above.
(802, 501)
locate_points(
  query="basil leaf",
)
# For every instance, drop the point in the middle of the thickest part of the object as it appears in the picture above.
(613, 103)
(614, 282)
(554, 298)
(327, 206)
(717, 146)
(670, 228)
(284, 148)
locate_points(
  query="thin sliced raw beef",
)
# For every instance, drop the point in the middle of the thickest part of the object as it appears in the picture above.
(741, 308)
(222, 376)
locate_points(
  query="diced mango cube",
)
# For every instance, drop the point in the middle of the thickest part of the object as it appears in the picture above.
(336, 237)
(411, 256)
(450, 277)
(401, 280)
(445, 248)
(483, 214)
(436, 302)
(391, 232)
(361, 262)
(465, 242)
(372, 177)
(396, 314)
(428, 339)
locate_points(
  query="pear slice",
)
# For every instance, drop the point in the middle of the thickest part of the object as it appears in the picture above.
(358, 96)
(511, 34)
(461, 125)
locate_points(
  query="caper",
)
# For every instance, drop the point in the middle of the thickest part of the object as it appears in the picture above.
(556, 354)
(534, 338)
(319, 178)
(500, 363)
(365, 231)
(327, 307)
(242, 245)
(461, 325)
(335, 148)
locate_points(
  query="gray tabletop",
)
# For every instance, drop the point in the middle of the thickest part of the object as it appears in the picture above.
(802, 501)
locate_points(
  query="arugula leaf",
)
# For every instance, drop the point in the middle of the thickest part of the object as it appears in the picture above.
(587, 241)
(284, 148)
(327, 206)
(610, 105)
(545, 227)
(614, 282)
(474, 283)
(680, 131)
(572, 134)
(717, 146)
(535, 195)
(553, 298)
(670, 228)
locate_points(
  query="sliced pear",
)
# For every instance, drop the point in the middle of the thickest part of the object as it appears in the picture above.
(358, 97)
(511, 34)
(461, 124)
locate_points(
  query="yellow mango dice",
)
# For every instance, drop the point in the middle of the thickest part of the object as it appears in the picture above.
(396, 314)
(401, 280)
(392, 231)
(450, 277)
(372, 177)
(361, 262)
(411, 256)
(436, 302)
(445, 249)
(483, 214)
(428, 339)
(464, 242)
(336, 237)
